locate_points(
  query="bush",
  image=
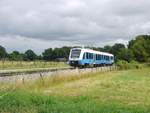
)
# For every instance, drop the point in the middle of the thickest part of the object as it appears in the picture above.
(135, 64)
(122, 64)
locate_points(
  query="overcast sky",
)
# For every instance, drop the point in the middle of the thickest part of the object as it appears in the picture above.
(40, 24)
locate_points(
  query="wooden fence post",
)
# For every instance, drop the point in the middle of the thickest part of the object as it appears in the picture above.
(23, 81)
(41, 76)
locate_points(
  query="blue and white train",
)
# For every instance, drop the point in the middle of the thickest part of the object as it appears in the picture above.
(82, 57)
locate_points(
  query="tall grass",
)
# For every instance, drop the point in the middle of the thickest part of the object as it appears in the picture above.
(30, 64)
(22, 102)
(105, 92)
(45, 81)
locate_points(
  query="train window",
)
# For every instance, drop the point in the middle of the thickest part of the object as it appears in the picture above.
(100, 57)
(105, 58)
(90, 56)
(97, 57)
(111, 58)
(108, 58)
(87, 56)
(84, 56)
(75, 53)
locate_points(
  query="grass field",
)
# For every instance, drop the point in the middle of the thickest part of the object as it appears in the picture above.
(104, 92)
(7, 65)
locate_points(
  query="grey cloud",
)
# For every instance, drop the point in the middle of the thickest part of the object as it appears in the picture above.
(96, 22)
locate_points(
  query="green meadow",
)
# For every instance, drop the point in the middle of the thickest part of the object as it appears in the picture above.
(126, 91)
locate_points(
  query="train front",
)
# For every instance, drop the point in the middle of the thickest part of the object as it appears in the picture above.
(74, 57)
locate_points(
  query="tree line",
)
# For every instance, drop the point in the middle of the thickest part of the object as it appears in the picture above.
(138, 49)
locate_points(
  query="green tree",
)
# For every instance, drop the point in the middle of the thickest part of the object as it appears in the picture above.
(30, 55)
(15, 55)
(61, 52)
(140, 47)
(125, 54)
(66, 51)
(39, 57)
(48, 54)
(3, 53)
(58, 53)
(107, 48)
(116, 48)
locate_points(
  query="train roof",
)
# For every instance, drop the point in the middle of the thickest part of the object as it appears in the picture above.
(94, 51)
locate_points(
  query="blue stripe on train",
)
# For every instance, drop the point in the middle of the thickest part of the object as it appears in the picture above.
(92, 61)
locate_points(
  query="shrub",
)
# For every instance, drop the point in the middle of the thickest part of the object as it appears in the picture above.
(122, 64)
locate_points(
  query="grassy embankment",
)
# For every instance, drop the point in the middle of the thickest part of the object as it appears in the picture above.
(18, 66)
(29, 64)
(126, 91)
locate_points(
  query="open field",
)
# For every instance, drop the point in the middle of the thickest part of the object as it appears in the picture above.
(103, 92)
(11, 65)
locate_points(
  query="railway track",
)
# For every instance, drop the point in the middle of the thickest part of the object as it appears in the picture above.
(24, 75)
(4, 73)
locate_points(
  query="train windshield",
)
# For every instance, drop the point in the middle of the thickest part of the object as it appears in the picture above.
(75, 53)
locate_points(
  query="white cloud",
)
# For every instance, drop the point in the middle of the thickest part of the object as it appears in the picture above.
(71, 22)
(19, 43)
